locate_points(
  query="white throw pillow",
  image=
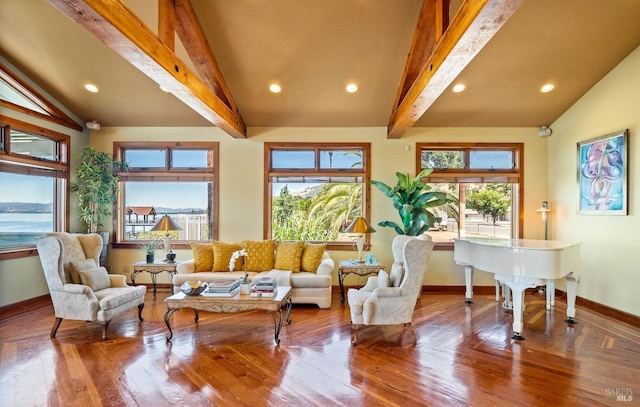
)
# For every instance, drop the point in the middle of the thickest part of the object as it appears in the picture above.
(383, 279)
(96, 278)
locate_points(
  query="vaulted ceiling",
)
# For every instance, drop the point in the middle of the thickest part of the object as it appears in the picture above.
(312, 49)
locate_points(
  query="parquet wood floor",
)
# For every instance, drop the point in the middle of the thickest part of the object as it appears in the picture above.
(463, 357)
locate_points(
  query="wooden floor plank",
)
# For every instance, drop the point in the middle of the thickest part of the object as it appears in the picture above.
(463, 356)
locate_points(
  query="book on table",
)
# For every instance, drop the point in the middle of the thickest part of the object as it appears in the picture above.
(222, 288)
(264, 287)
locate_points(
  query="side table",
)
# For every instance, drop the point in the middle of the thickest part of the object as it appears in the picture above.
(153, 269)
(361, 269)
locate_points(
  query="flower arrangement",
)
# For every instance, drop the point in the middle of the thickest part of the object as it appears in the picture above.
(235, 256)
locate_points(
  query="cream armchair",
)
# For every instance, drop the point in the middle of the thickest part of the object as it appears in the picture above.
(79, 288)
(391, 299)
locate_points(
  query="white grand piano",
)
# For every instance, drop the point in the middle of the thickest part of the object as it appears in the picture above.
(521, 264)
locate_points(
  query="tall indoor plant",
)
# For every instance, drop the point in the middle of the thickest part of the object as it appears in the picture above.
(412, 198)
(96, 186)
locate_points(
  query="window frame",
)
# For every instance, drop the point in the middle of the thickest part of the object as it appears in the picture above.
(514, 175)
(166, 174)
(364, 172)
(59, 169)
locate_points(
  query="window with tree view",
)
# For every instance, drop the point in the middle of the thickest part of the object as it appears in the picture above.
(174, 179)
(484, 184)
(316, 190)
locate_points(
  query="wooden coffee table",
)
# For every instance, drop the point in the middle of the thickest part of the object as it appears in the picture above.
(228, 305)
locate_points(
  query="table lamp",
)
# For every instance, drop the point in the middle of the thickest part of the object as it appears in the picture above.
(544, 211)
(360, 226)
(166, 224)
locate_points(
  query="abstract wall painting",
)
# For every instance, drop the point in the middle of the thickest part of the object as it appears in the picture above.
(602, 174)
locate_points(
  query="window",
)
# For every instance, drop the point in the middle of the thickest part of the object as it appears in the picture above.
(34, 168)
(314, 191)
(484, 182)
(175, 179)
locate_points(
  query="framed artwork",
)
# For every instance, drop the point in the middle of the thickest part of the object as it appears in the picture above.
(602, 174)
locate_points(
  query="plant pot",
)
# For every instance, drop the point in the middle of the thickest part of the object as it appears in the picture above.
(105, 245)
(150, 258)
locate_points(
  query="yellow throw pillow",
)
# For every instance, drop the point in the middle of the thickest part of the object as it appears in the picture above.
(312, 256)
(288, 256)
(222, 254)
(202, 256)
(260, 254)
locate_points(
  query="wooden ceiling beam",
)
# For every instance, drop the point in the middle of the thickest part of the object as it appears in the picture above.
(195, 42)
(117, 26)
(473, 26)
(167, 23)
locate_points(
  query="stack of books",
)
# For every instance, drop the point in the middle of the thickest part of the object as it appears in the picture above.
(264, 287)
(222, 288)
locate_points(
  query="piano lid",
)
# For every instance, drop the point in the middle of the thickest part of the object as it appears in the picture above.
(530, 244)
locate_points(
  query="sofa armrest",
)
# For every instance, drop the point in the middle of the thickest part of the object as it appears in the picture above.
(326, 267)
(186, 267)
(118, 280)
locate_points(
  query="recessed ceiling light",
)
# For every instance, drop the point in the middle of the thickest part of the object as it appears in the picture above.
(275, 88)
(459, 88)
(91, 87)
(162, 88)
(547, 88)
(352, 88)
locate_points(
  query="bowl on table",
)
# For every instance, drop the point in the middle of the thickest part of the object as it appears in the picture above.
(193, 287)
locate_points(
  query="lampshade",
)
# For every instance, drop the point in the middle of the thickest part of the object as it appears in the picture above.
(165, 224)
(359, 225)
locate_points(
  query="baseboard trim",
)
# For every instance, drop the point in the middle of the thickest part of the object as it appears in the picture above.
(21, 307)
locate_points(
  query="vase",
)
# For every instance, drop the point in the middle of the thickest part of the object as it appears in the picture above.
(245, 288)
(150, 258)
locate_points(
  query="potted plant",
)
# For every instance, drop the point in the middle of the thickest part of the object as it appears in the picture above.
(96, 186)
(150, 250)
(412, 198)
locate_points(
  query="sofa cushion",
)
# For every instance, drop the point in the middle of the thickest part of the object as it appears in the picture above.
(111, 298)
(260, 254)
(222, 254)
(202, 256)
(288, 256)
(311, 256)
(78, 265)
(96, 278)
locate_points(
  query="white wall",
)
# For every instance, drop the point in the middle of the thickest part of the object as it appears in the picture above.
(610, 273)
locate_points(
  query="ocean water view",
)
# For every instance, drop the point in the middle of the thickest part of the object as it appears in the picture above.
(21, 229)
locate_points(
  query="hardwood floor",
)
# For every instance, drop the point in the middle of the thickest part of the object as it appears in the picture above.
(463, 357)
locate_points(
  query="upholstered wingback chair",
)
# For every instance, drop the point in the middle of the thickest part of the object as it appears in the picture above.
(79, 288)
(389, 299)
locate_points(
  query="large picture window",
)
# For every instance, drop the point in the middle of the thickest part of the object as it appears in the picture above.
(484, 182)
(314, 191)
(34, 167)
(175, 179)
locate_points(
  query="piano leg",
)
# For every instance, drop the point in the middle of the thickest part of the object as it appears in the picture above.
(572, 286)
(468, 278)
(551, 293)
(517, 297)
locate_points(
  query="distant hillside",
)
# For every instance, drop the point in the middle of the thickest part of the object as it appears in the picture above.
(25, 207)
(163, 210)
(309, 192)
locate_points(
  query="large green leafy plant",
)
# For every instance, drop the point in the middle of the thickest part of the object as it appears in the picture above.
(412, 198)
(96, 186)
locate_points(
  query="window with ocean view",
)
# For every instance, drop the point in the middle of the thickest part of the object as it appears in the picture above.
(33, 167)
(179, 180)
